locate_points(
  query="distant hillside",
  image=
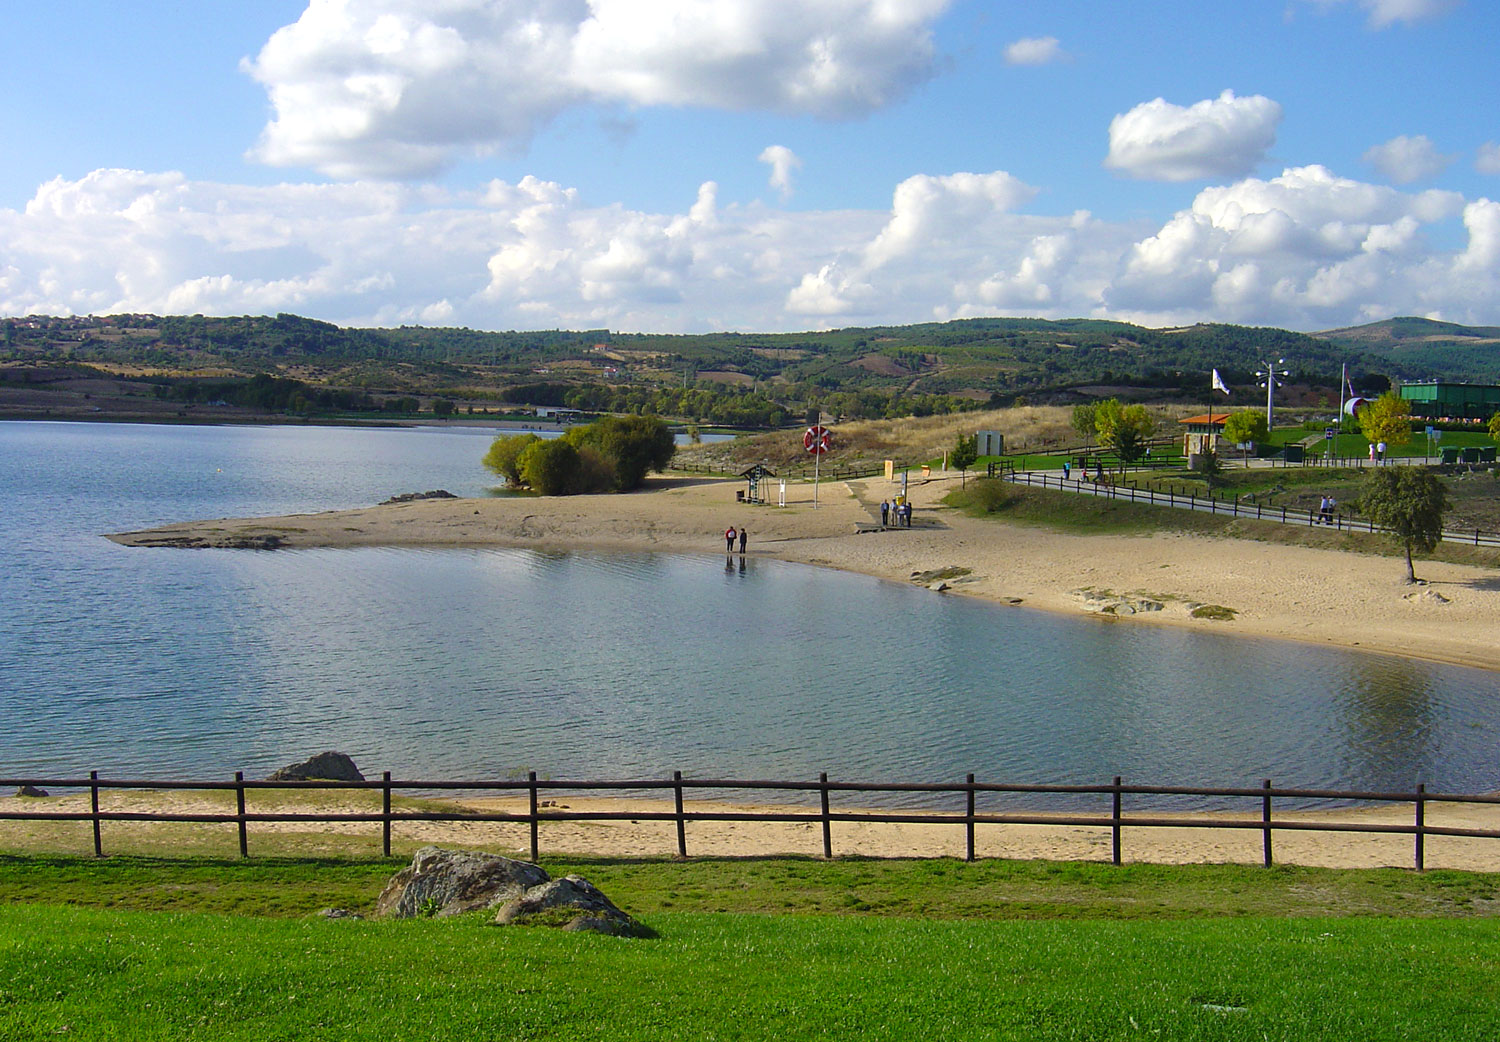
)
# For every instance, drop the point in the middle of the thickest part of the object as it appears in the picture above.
(1422, 347)
(734, 378)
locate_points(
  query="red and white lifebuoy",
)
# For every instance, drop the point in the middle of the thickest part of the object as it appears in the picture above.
(817, 440)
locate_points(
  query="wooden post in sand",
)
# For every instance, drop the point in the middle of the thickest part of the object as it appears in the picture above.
(1265, 822)
(681, 822)
(94, 804)
(827, 821)
(969, 824)
(385, 812)
(1421, 829)
(1115, 825)
(239, 812)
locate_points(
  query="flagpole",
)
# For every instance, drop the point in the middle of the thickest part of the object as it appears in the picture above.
(1343, 383)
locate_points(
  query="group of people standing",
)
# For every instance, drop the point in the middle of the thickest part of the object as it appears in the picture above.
(731, 534)
(895, 514)
(1325, 510)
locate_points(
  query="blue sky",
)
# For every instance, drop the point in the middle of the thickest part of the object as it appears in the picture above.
(696, 165)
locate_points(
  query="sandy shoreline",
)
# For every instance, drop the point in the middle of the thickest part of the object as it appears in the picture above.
(630, 836)
(1275, 591)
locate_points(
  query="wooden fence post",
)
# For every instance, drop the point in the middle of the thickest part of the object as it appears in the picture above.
(681, 824)
(1265, 818)
(969, 825)
(385, 813)
(535, 854)
(239, 812)
(1421, 834)
(827, 824)
(94, 804)
(1115, 828)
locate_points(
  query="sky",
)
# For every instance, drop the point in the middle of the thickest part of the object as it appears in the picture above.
(681, 166)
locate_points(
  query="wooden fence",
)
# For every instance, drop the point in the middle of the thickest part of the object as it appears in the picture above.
(1230, 507)
(969, 818)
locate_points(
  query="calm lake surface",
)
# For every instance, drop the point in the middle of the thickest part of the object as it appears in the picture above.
(480, 663)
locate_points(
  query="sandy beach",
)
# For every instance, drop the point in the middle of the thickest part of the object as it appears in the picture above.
(1275, 591)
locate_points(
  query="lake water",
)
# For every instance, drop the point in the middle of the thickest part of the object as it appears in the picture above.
(481, 663)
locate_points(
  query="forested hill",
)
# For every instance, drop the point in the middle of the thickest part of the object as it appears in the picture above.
(971, 359)
(1444, 348)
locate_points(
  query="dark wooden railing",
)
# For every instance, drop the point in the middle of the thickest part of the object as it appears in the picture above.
(1115, 819)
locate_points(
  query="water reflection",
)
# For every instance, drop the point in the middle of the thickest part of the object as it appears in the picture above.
(1391, 723)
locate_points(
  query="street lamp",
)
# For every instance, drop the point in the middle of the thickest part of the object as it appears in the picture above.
(1267, 374)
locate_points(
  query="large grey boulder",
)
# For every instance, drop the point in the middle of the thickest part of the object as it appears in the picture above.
(329, 766)
(31, 791)
(572, 903)
(447, 882)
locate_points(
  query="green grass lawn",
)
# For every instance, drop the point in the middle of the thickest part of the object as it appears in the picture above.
(91, 974)
(940, 950)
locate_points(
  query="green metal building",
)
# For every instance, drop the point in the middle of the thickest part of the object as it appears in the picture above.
(1443, 401)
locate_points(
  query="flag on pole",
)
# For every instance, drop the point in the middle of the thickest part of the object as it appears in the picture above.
(1219, 384)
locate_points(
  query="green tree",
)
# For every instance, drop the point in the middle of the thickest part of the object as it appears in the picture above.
(1387, 419)
(1125, 429)
(965, 452)
(1495, 426)
(1247, 425)
(633, 445)
(1410, 502)
(1212, 469)
(505, 455)
(550, 467)
(1084, 420)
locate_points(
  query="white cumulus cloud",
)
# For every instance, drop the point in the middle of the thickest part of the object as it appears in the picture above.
(1034, 50)
(782, 162)
(1385, 13)
(1406, 159)
(1223, 137)
(398, 88)
(1307, 249)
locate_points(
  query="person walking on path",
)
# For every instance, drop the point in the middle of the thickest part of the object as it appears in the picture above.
(729, 537)
(1067, 470)
(744, 537)
(885, 513)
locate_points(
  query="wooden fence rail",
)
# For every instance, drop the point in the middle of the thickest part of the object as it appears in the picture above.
(1116, 820)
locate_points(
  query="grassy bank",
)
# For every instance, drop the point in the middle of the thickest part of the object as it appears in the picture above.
(90, 974)
(750, 950)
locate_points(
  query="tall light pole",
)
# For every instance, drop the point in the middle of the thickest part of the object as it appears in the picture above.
(1267, 374)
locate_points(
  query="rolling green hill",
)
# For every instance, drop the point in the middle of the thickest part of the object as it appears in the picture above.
(1422, 347)
(749, 378)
